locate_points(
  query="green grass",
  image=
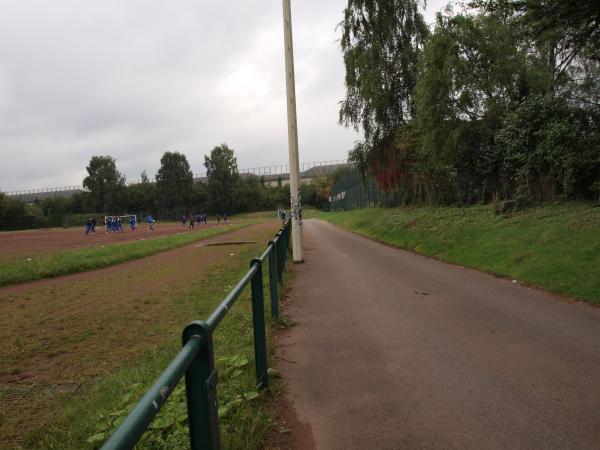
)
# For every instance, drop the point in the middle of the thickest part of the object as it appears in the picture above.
(72, 261)
(244, 412)
(555, 246)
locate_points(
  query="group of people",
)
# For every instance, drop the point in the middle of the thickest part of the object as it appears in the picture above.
(199, 218)
(90, 225)
(114, 224)
(191, 219)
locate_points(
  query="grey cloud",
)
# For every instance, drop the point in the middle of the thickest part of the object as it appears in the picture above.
(134, 79)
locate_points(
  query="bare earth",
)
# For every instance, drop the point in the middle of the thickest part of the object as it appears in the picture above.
(398, 351)
(60, 335)
(41, 241)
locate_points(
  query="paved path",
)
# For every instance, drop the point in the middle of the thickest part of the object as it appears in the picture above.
(395, 350)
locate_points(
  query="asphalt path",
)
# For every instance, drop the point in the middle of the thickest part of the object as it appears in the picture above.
(394, 350)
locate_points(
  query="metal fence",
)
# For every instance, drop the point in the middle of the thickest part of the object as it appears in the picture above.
(353, 191)
(197, 362)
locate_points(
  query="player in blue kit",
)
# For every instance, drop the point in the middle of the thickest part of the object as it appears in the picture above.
(150, 222)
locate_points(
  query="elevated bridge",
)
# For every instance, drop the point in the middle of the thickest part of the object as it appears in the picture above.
(271, 175)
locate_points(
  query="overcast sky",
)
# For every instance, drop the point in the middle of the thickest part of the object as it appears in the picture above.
(133, 79)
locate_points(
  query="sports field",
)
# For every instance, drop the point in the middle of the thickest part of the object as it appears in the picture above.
(29, 242)
(74, 344)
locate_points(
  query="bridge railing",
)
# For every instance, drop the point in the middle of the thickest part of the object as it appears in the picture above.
(281, 169)
(196, 359)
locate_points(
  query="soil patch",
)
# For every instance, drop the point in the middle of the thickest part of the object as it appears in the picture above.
(60, 334)
(35, 242)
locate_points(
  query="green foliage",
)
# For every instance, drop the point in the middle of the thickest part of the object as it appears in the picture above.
(170, 426)
(223, 179)
(174, 181)
(382, 42)
(551, 149)
(105, 184)
(507, 101)
(142, 196)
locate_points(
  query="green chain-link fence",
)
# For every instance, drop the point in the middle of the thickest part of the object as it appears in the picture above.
(354, 191)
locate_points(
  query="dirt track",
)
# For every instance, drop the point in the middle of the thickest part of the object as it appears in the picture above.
(45, 240)
(394, 351)
(59, 335)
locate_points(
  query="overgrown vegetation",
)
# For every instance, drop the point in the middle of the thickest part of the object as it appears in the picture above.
(500, 101)
(555, 246)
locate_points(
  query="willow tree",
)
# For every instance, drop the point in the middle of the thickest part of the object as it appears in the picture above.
(382, 44)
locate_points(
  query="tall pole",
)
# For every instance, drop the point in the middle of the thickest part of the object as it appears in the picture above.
(295, 201)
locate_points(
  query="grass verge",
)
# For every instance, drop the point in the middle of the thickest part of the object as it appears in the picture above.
(555, 246)
(86, 420)
(73, 261)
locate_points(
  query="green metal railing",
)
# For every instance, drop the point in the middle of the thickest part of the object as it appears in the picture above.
(196, 359)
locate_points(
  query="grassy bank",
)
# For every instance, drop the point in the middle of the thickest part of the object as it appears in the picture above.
(556, 247)
(85, 420)
(73, 261)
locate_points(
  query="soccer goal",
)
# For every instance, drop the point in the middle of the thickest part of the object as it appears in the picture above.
(119, 223)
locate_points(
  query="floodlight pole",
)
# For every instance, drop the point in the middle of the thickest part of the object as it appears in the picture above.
(295, 201)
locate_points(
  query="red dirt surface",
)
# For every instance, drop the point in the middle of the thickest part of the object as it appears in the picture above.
(28, 242)
(60, 335)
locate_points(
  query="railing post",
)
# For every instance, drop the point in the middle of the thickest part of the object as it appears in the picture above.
(201, 390)
(258, 322)
(286, 241)
(273, 281)
(280, 256)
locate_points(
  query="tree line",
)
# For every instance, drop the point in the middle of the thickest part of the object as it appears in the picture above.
(498, 102)
(172, 194)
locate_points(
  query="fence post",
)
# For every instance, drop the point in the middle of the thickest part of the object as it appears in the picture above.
(258, 324)
(273, 280)
(280, 261)
(284, 248)
(287, 241)
(201, 390)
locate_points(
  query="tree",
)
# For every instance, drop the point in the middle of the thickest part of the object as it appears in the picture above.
(142, 196)
(564, 34)
(475, 70)
(251, 193)
(105, 184)
(199, 202)
(382, 43)
(174, 181)
(223, 179)
(551, 149)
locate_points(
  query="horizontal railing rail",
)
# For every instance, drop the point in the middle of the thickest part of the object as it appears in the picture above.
(196, 359)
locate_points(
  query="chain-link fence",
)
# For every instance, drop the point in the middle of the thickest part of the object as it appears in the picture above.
(353, 191)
